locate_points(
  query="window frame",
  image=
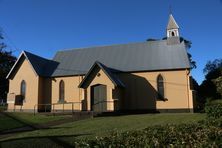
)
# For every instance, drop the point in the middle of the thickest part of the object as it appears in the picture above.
(61, 92)
(23, 88)
(160, 88)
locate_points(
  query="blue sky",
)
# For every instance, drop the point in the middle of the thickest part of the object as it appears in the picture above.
(46, 26)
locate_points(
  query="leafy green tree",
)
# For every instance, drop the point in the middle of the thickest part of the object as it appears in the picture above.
(192, 62)
(199, 102)
(7, 60)
(218, 83)
(211, 86)
(188, 45)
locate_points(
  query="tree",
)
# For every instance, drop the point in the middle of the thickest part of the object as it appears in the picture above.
(7, 60)
(199, 103)
(218, 83)
(193, 64)
(211, 86)
(188, 46)
(213, 69)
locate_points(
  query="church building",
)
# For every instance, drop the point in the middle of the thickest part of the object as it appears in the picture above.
(147, 76)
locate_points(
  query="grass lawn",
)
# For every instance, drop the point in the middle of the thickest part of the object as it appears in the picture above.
(9, 123)
(3, 107)
(66, 134)
(16, 120)
(29, 118)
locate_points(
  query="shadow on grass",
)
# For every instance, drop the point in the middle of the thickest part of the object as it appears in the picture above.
(55, 139)
(27, 129)
(127, 113)
(30, 127)
(18, 120)
(26, 126)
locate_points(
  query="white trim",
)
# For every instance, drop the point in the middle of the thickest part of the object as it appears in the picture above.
(14, 65)
(23, 53)
(10, 102)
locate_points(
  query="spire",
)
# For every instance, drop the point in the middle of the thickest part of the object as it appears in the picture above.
(173, 36)
(172, 24)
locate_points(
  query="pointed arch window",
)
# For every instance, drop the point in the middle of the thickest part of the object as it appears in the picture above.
(23, 89)
(61, 91)
(160, 87)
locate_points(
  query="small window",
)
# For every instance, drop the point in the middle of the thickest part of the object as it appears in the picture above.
(23, 89)
(61, 91)
(173, 34)
(160, 87)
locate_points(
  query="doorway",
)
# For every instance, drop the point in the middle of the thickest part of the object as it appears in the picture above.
(98, 98)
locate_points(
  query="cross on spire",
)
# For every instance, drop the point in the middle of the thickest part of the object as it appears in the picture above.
(170, 9)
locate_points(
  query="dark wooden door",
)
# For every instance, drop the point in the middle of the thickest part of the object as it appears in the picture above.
(98, 97)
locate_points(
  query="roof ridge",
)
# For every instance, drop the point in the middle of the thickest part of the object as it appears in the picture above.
(36, 55)
(141, 56)
(102, 46)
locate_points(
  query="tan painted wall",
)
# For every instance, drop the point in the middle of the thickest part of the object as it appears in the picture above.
(25, 72)
(72, 92)
(141, 90)
(102, 79)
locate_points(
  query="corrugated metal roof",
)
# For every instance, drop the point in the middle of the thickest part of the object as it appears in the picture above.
(145, 56)
(42, 66)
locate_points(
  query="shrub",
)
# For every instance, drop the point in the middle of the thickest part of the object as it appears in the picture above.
(187, 135)
(214, 109)
(212, 122)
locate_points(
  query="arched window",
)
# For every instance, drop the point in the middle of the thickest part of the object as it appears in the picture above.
(61, 91)
(160, 87)
(23, 89)
(173, 34)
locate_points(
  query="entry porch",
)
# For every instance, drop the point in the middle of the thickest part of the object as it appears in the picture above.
(102, 89)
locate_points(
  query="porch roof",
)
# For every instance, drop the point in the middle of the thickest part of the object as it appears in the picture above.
(108, 71)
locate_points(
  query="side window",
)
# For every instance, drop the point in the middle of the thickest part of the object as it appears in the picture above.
(23, 89)
(160, 87)
(61, 91)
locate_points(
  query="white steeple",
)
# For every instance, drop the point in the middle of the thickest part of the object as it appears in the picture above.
(172, 27)
(173, 36)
